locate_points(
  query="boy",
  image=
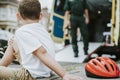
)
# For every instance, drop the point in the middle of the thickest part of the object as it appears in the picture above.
(33, 48)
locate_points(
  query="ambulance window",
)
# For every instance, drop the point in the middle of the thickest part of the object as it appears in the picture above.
(59, 7)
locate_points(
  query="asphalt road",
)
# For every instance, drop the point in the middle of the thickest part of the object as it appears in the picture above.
(72, 68)
(77, 69)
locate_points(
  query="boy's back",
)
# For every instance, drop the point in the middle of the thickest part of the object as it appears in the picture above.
(29, 38)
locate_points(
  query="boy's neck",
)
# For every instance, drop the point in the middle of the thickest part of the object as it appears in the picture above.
(29, 21)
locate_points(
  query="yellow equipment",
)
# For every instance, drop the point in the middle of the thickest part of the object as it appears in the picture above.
(115, 29)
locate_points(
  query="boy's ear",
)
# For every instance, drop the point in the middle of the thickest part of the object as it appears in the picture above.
(18, 16)
(40, 16)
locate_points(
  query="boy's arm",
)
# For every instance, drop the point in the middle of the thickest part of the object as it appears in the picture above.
(44, 57)
(8, 57)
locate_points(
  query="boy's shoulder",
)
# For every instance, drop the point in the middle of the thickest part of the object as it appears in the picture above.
(20, 30)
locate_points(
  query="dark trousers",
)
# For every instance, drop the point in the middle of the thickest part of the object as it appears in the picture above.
(79, 22)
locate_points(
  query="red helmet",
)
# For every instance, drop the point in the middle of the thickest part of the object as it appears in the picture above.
(102, 67)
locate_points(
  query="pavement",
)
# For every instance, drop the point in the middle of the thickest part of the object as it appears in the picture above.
(64, 55)
(72, 68)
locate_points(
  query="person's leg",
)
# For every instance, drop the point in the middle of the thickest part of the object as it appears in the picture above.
(73, 34)
(7, 73)
(85, 34)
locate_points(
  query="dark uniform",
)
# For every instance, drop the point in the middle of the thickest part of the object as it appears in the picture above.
(77, 19)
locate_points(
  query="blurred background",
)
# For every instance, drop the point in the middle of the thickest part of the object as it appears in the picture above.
(53, 17)
(54, 20)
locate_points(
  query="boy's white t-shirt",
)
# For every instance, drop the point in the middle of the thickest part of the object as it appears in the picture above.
(29, 38)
